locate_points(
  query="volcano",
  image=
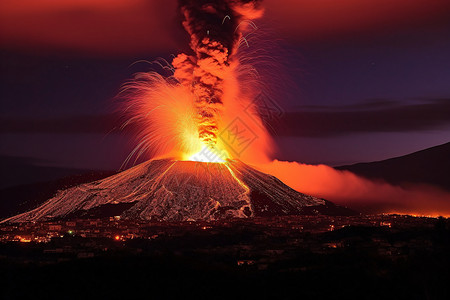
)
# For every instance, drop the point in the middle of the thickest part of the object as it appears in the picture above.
(169, 190)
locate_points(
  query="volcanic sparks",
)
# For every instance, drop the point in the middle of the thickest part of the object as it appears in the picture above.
(181, 116)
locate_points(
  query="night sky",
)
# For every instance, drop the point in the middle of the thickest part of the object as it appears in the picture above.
(368, 80)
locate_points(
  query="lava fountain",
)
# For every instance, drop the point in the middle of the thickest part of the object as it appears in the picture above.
(182, 116)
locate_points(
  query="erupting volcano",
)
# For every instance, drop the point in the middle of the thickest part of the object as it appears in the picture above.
(201, 122)
(182, 191)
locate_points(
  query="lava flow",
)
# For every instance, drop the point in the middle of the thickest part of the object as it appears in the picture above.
(168, 190)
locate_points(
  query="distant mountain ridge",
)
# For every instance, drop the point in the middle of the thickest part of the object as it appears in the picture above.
(15, 171)
(17, 199)
(430, 166)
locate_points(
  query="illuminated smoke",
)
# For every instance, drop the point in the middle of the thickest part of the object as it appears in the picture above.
(215, 29)
(364, 195)
(201, 97)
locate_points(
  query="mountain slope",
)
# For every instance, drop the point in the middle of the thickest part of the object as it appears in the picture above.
(429, 166)
(182, 190)
(18, 199)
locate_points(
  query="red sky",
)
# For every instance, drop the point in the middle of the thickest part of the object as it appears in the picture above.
(93, 26)
(142, 26)
(316, 19)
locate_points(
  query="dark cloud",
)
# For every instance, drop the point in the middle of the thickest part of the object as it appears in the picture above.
(311, 121)
(366, 105)
(328, 121)
(74, 124)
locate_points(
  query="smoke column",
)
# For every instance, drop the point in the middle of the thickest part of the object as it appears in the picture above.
(202, 95)
(215, 30)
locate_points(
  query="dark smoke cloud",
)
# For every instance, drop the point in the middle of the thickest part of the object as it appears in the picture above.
(317, 121)
(379, 116)
(215, 30)
(72, 124)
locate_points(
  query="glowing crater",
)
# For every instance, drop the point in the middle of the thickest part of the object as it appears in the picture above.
(210, 155)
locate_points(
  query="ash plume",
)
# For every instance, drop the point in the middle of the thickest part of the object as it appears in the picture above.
(215, 29)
